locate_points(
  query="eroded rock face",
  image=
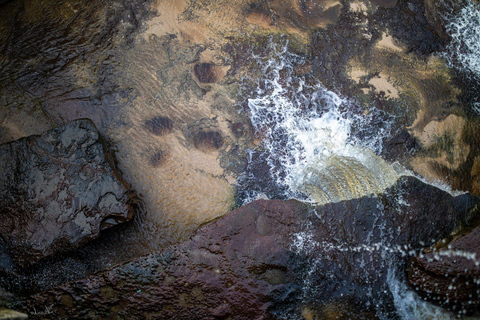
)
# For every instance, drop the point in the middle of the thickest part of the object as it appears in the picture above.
(273, 259)
(57, 192)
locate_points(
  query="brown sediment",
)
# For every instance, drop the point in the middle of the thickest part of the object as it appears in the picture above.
(380, 82)
(159, 158)
(319, 13)
(433, 118)
(168, 22)
(443, 145)
(260, 19)
(389, 43)
(475, 174)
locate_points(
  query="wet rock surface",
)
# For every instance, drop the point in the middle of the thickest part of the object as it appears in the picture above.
(166, 82)
(273, 259)
(449, 274)
(58, 191)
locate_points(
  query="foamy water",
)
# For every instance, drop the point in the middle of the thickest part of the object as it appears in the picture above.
(464, 28)
(463, 51)
(311, 136)
(308, 136)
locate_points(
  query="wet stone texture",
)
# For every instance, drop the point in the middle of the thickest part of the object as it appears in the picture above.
(273, 259)
(57, 192)
(450, 274)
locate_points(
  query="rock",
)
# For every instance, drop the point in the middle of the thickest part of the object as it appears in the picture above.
(271, 259)
(400, 146)
(57, 192)
(208, 141)
(450, 275)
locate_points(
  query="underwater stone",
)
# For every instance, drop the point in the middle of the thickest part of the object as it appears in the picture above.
(159, 158)
(208, 141)
(56, 189)
(207, 72)
(7, 314)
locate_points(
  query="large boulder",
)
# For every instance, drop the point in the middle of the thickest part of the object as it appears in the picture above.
(273, 259)
(450, 274)
(57, 192)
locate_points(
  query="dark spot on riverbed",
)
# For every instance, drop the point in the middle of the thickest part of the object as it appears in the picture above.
(207, 72)
(159, 158)
(159, 126)
(208, 141)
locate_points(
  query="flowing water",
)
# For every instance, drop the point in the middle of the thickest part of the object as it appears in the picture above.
(318, 145)
(323, 148)
(312, 137)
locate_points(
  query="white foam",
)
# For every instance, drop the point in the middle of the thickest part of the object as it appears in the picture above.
(308, 134)
(464, 29)
(410, 306)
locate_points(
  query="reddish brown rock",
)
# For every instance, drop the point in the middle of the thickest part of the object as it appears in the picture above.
(271, 259)
(57, 192)
(451, 274)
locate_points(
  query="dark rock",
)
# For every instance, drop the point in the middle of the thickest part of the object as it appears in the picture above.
(400, 146)
(57, 192)
(208, 72)
(271, 259)
(450, 274)
(159, 126)
(386, 3)
(4, 2)
(409, 22)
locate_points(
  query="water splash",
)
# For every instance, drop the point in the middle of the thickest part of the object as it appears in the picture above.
(312, 136)
(409, 305)
(464, 29)
(464, 48)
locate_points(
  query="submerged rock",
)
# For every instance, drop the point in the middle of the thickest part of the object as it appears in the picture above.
(57, 192)
(273, 259)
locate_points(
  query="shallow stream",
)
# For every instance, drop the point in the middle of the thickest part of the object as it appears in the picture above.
(210, 105)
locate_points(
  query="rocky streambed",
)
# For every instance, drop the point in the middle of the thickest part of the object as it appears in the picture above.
(239, 160)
